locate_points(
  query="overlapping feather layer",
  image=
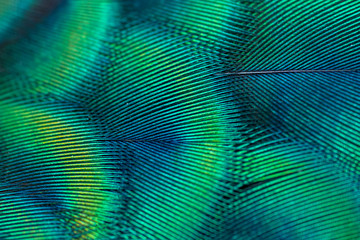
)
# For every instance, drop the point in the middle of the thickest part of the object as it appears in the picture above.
(232, 119)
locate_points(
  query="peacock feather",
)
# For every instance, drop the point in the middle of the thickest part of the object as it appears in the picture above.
(179, 119)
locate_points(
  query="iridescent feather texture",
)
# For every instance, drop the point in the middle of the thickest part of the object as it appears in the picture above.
(180, 119)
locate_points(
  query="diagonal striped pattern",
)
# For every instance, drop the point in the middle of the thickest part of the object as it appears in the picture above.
(178, 120)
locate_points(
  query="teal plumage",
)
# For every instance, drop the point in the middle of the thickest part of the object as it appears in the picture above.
(231, 119)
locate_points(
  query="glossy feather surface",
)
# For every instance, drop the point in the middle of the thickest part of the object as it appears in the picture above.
(179, 119)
